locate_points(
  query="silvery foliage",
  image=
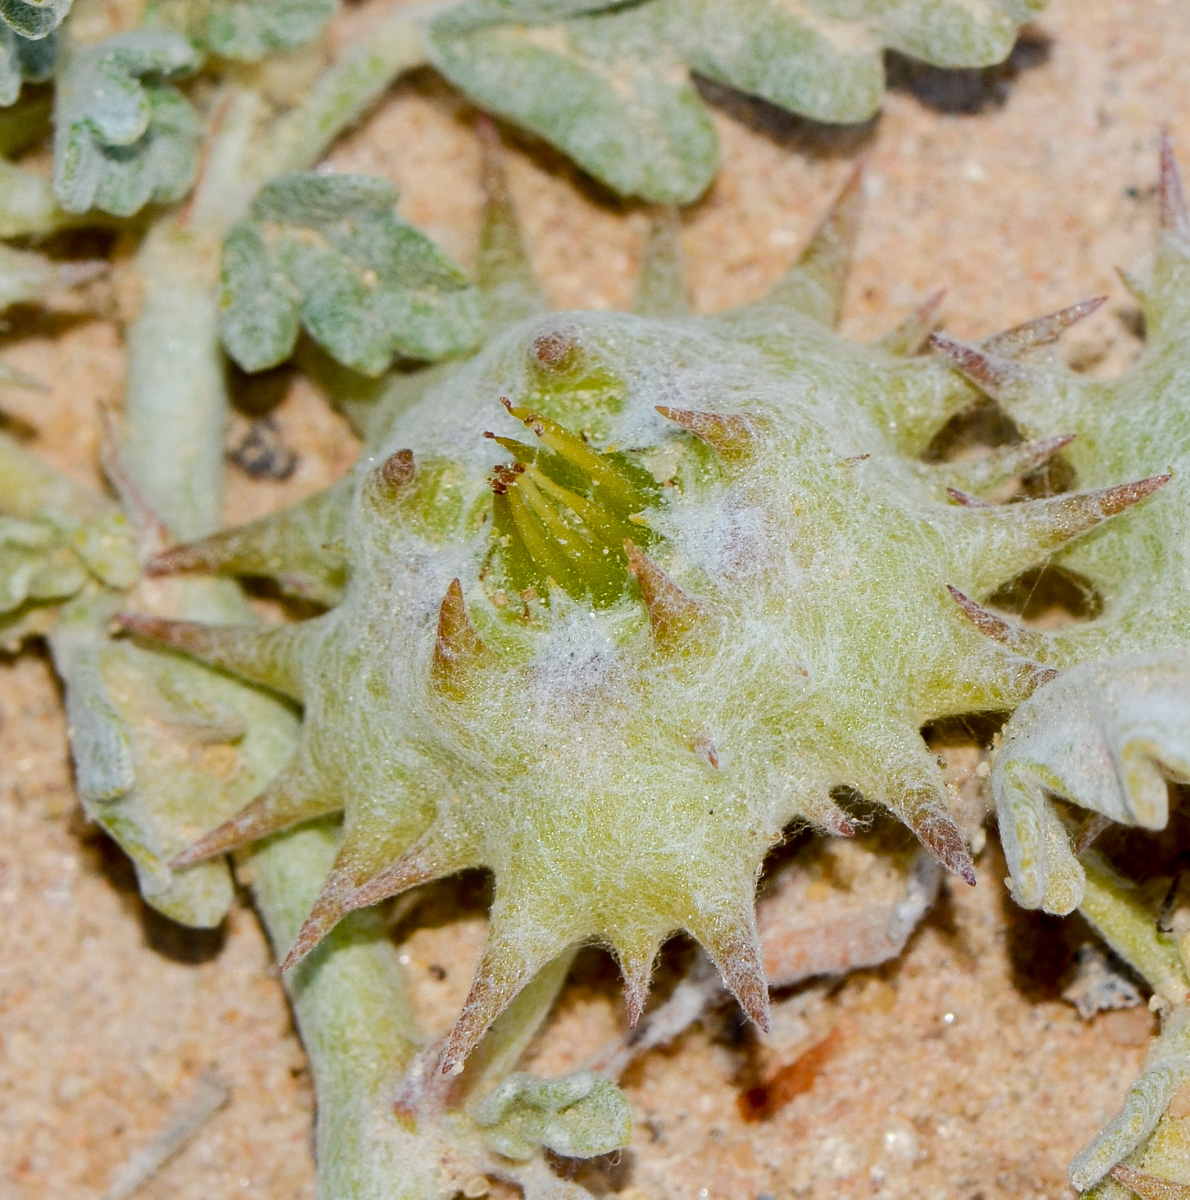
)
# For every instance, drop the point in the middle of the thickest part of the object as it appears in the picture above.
(579, 1115)
(330, 254)
(245, 30)
(123, 137)
(609, 83)
(28, 49)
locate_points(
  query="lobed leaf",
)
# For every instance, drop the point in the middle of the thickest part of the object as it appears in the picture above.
(123, 137)
(329, 253)
(163, 749)
(580, 1115)
(609, 83)
(606, 88)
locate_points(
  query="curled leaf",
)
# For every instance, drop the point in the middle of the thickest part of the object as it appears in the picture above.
(1106, 736)
(123, 137)
(579, 1116)
(163, 749)
(328, 252)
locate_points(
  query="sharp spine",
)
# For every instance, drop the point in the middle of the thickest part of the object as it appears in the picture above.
(731, 436)
(673, 615)
(1041, 331)
(1173, 209)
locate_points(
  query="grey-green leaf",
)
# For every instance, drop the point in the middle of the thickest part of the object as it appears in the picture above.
(827, 69)
(607, 88)
(579, 1115)
(245, 30)
(608, 83)
(123, 137)
(328, 252)
(164, 749)
(33, 19)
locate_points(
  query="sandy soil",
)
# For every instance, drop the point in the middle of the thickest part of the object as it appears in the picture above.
(957, 1072)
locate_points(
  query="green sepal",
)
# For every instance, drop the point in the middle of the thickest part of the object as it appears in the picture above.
(123, 137)
(580, 1115)
(330, 254)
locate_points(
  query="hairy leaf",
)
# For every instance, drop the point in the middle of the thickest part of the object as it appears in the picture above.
(330, 254)
(607, 88)
(123, 137)
(161, 748)
(609, 83)
(579, 1115)
(246, 30)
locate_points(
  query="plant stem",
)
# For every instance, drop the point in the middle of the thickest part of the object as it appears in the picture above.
(349, 999)
(175, 406)
(342, 95)
(349, 1002)
(1112, 906)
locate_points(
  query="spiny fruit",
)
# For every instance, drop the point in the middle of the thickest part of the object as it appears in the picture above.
(621, 598)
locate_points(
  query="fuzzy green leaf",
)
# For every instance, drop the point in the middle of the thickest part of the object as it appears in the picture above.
(328, 252)
(245, 30)
(579, 1115)
(34, 566)
(123, 138)
(606, 88)
(784, 54)
(163, 749)
(24, 59)
(608, 83)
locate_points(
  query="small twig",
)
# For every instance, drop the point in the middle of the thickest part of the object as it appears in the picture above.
(210, 1094)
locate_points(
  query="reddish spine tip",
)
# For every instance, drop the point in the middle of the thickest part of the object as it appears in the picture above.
(1115, 499)
(731, 436)
(990, 373)
(672, 614)
(1173, 208)
(1046, 448)
(1041, 331)
(941, 837)
(983, 619)
(966, 499)
(174, 561)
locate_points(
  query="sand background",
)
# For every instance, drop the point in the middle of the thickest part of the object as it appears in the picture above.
(957, 1072)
